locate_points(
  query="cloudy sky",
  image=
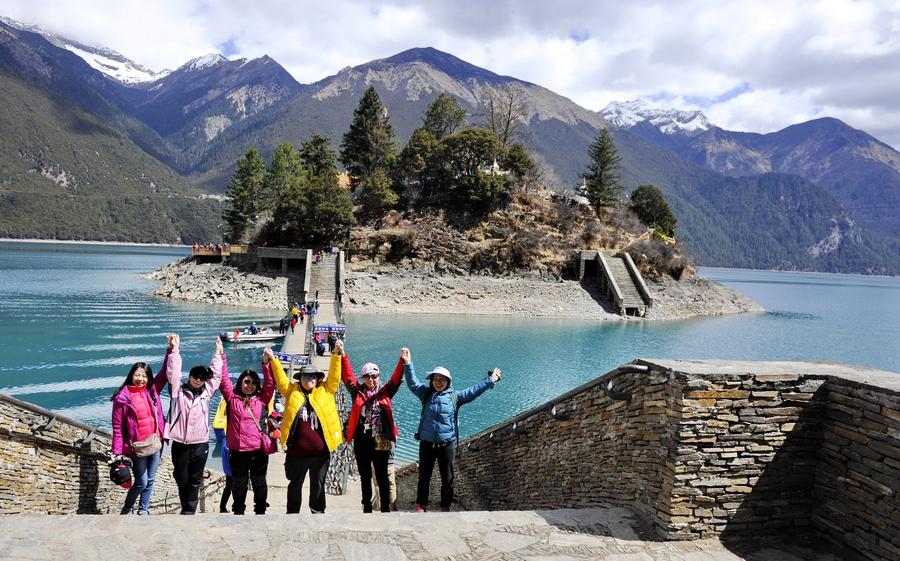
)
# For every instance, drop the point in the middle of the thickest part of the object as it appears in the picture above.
(749, 65)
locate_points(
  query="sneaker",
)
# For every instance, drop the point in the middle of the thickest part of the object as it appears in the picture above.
(420, 508)
(445, 509)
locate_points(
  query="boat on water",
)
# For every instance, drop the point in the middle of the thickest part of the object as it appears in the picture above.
(244, 336)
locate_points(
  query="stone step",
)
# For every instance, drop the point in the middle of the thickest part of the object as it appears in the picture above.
(630, 294)
(595, 533)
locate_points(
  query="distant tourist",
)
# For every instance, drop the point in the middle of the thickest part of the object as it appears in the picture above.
(439, 425)
(253, 329)
(282, 326)
(331, 339)
(248, 445)
(138, 423)
(371, 427)
(293, 323)
(312, 428)
(188, 425)
(220, 424)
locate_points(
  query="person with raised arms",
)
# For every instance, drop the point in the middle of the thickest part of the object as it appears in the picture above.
(371, 427)
(439, 424)
(137, 423)
(187, 427)
(249, 445)
(311, 430)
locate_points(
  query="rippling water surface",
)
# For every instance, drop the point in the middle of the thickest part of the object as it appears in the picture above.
(74, 318)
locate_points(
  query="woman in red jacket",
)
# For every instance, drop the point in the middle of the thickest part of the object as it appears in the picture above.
(371, 427)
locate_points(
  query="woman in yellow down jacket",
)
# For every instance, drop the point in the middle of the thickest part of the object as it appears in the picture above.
(311, 429)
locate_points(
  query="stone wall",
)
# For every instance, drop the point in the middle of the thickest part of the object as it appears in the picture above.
(858, 468)
(53, 471)
(704, 448)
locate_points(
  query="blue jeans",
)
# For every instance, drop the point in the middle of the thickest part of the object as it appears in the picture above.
(144, 477)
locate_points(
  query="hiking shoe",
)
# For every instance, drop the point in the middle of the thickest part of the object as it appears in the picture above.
(420, 508)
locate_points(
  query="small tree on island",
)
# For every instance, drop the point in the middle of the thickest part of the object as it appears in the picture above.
(601, 181)
(244, 196)
(369, 144)
(648, 202)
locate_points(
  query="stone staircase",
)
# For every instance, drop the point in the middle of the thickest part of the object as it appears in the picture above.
(323, 278)
(631, 296)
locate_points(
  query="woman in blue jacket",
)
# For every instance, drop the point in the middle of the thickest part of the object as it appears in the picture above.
(439, 424)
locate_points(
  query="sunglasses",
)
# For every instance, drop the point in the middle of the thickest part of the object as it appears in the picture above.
(308, 376)
(249, 381)
(370, 376)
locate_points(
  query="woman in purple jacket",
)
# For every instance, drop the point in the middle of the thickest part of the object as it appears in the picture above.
(188, 424)
(248, 446)
(138, 423)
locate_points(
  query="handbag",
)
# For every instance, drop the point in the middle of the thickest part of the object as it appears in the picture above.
(147, 447)
(270, 443)
(383, 443)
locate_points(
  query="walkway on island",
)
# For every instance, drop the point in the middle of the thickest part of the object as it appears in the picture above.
(324, 280)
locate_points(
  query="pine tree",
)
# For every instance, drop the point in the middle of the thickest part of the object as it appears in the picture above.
(377, 195)
(601, 181)
(443, 116)
(318, 157)
(369, 144)
(244, 195)
(286, 168)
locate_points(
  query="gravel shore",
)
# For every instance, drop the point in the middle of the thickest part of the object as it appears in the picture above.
(394, 292)
(390, 291)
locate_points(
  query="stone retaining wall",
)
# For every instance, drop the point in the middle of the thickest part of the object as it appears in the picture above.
(704, 448)
(51, 472)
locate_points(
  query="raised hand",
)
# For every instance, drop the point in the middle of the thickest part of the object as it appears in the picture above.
(173, 340)
(268, 355)
(219, 347)
(405, 355)
(338, 347)
(495, 375)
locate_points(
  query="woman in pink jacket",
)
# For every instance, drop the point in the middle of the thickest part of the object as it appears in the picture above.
(138, 423)
(188, 424)
(248, 445)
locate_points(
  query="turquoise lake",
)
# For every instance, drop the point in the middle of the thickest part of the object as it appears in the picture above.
(74, 317)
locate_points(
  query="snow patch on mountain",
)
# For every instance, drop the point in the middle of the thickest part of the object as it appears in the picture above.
(104, 59)
(204, 61)
(669, 121)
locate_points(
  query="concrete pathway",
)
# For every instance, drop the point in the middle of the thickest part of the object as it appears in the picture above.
(556, 535)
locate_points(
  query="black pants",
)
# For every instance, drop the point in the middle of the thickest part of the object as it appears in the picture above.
(189, 461)
(226, 494)
(366, 456)
(250, 465)
(295, 468)
(445, 454)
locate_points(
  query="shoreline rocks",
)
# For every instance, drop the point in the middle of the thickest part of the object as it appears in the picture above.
(213, 283)
(392, 291)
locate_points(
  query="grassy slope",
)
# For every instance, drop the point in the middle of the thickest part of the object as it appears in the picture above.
(114, 191)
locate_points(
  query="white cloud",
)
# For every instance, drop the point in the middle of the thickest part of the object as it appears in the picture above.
(798, 59)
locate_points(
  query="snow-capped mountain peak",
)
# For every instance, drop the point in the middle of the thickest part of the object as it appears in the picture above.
(106, 60)
(204, 61)
(669, 121)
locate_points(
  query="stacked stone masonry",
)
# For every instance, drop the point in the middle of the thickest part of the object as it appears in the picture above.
(704, 448)
(52, 472)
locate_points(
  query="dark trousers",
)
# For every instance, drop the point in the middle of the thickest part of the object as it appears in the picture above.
(445, 454)
(366, 457)
(189, 461)
(226, 494)
(295, 468)
(252, 466)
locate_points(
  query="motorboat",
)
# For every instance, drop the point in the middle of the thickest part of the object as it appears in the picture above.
(244, 335)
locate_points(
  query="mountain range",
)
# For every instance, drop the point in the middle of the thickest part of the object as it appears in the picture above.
(84, 131)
